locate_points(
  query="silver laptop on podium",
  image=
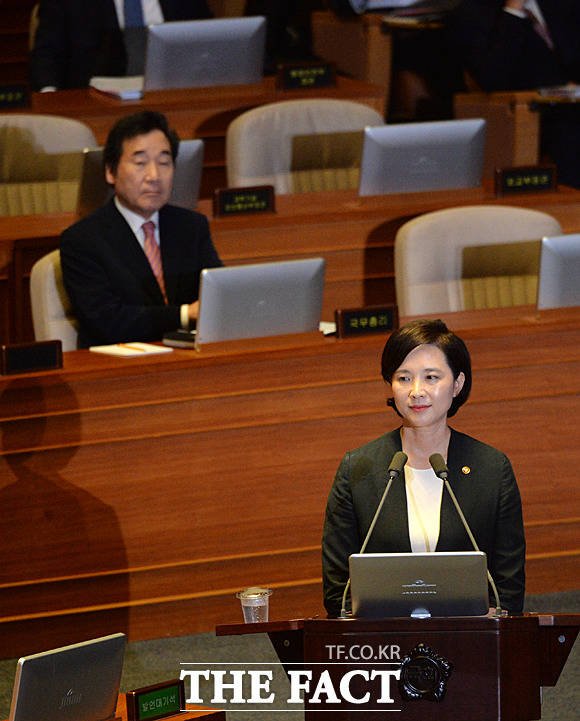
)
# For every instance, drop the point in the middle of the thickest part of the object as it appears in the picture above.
(420, 585)
(72, 683)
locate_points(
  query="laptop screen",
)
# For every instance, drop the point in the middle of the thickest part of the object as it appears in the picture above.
(201, 53)
(419, 584)
(72, 683)
(420, 157)
(261, 299)
(559, 277)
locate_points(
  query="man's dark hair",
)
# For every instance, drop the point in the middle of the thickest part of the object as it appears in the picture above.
(433, 332)
(131, 126)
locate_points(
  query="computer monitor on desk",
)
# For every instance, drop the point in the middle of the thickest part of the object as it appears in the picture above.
(420, 157)
(200, 53)
(261, 299)
(559, 277)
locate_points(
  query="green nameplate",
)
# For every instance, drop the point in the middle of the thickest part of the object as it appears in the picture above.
(233, 201)
(525, 179)
(14, 96)
(362, 321)
(306, 76)
(156, 702)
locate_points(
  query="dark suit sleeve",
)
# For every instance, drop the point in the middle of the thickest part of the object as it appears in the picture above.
(340, 539)
(185, 10)
(506, 557)
(500, 50)
(48, 58)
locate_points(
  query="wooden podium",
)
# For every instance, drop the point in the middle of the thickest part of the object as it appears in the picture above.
(451, 669)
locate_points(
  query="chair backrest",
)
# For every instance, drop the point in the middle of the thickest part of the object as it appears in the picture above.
(460, 258)
(52, 315)
(40, 157)
(259, 142)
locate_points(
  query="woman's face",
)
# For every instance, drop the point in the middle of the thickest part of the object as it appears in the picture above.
(423, 387)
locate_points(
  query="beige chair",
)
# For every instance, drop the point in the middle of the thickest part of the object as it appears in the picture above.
(40, 162)
(469, 257)
(52, 316)
(272, 144)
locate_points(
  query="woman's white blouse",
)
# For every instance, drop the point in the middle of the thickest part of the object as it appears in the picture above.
(424, 492)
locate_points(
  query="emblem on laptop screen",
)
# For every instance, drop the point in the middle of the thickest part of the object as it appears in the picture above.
(424, 675)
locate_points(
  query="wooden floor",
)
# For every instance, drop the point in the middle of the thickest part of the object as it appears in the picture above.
(140, 494)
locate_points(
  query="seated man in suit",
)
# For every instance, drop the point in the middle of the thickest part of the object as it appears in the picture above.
(132, 267)
(524, 45)
(76, 40)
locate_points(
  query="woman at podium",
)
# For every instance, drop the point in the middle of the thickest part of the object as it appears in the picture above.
(427, 370)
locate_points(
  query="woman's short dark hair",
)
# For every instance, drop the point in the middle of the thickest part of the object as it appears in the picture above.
(131, 126)
(432, 332)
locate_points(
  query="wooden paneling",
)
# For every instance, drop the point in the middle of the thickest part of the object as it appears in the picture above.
(140, 494)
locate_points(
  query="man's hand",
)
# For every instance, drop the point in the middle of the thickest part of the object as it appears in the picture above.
(193, 310)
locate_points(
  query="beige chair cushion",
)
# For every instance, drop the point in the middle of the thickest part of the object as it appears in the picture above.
(260, 143)
(40, 197)
(434, 272)
(52, 315)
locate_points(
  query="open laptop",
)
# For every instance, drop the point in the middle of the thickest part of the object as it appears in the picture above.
(72, 683)
(559, 276)
(419, 584)
(94, 191)
(201, 53)
(261, 299)
(421, 157)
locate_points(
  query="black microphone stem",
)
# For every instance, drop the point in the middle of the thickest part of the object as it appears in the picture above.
(399, 460)
(474, 543)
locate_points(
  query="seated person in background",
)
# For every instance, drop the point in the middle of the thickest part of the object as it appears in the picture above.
(76, 40)
(132, 267)
(428, 369)
(525, 45)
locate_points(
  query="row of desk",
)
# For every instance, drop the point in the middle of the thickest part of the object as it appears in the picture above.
(203, 113)
(140, 494)
(354, 234)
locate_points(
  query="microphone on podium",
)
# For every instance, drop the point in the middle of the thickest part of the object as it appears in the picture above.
(396, 466)
(441, 471)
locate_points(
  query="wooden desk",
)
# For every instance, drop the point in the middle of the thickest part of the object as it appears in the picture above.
(140, 494)
(513, 126)
(197, 112)
(355, 235)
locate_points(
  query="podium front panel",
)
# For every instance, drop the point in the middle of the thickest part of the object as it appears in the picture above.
(462, 669)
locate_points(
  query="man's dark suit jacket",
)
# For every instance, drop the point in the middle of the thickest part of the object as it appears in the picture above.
(76, 40)
(110, 283)
(503, 52)
(481, 478)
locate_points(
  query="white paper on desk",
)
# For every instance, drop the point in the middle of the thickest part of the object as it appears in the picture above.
(570, 91)
(126, 88)
(130, 350)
